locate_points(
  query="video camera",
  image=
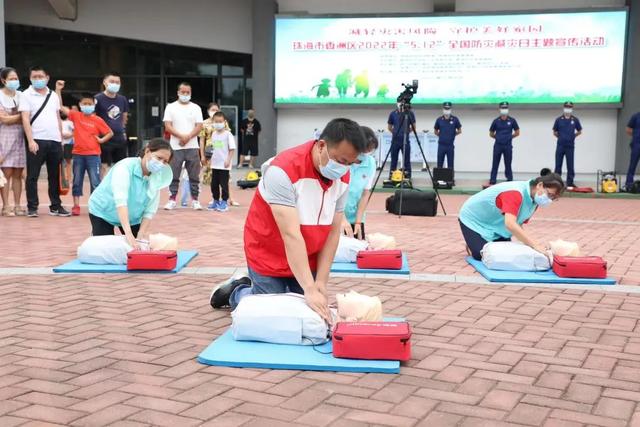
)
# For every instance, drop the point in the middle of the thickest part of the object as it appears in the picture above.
(410, 89)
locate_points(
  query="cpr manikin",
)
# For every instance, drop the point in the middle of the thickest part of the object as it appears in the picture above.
(564, 248)
(379, 241)
(162, 242)
(355, 307)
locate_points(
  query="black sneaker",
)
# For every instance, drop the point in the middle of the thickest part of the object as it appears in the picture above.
(32, 213)
(59, 212)
(221, 293)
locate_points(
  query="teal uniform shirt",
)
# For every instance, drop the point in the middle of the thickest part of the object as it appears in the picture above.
(480, 213)
(125, 185)
(362, 176)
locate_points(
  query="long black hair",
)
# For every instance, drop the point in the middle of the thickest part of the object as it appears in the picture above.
(157, 144)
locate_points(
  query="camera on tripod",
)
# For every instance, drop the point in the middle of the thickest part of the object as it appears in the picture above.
(406, 95)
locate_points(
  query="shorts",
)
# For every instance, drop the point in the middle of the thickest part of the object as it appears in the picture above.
(67, 150)
(113, 153)
(250, 147)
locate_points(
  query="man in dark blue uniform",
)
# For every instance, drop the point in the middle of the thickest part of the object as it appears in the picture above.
(566, 128)
(633, 130)
(447, 127)
(503, 130)
(396, 127)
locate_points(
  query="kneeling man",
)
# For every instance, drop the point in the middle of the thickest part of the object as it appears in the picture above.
(295, 220)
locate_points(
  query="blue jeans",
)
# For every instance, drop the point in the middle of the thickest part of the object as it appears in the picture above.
(264, 285)
(567, 151)
(90, 164)
(500, 150)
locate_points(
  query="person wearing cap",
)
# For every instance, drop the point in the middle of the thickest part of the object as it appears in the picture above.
(447, 127)
(633, 130)
(566, 128)
(503, 130)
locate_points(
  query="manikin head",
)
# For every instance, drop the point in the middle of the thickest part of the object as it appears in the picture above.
(355, 307)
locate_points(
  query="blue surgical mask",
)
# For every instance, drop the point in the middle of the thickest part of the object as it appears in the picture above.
(88, 109)
(154, 165)
(113, 87)
(39, 83)
(12, 84)
(218, 126)
(184, 98)
(333, 170)
(542, 200)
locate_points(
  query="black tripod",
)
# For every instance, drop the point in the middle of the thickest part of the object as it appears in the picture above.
(405, 109)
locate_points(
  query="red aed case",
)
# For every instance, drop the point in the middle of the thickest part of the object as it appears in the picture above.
(588, 267)
(372, 340)
(152, 260)
(385, 259)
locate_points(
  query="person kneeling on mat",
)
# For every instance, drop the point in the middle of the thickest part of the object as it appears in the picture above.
(129, 195)
(295, 220)
(497, 213)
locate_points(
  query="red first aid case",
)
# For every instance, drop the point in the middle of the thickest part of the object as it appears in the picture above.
(386, 259)
(152, 260)
(372, 340)
(588, 267)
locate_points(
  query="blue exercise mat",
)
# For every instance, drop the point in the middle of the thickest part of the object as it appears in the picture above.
(225, 351)
(351, 267)
(532, 276)
(75, 266)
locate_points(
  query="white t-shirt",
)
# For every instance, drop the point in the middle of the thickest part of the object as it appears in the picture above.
(67, 127)
(46, 125)
(10, 103)
(222, 143)
(183, 118)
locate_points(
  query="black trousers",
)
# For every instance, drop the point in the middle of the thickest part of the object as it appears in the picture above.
(100, 227)
(49, 153)
(220, 180)
(475, 242)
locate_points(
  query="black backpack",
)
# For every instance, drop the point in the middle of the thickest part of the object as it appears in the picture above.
(635, 187)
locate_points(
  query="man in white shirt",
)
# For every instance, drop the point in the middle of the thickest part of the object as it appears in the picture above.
(183, 120)
(40, 110)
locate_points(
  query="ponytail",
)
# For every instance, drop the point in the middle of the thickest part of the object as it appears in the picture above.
(549, 180)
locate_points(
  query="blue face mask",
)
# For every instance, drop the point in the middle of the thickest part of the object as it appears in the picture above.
(333, 170)
(113, 87)
(542, 200)
(39, 83)
(184, 98)
(12, 84)
(88, 109)
(154, 165)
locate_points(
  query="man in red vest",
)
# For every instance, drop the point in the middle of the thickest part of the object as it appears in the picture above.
(294, 222)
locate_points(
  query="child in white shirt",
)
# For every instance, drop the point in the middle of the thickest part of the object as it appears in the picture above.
(222, 147)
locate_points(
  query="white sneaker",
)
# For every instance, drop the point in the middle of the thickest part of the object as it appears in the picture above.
(171, 205)
(196, 205)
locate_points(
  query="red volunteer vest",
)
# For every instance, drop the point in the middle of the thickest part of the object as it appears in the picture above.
(316, 200)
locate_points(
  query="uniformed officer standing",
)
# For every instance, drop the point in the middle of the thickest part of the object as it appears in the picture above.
(503, 130)
(633, 130)
(447, 127)
(566, 128)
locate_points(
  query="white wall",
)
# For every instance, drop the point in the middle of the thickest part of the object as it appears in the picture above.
(188, 22)
(533, 150)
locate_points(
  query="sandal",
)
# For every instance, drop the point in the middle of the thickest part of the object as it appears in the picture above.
(20, 211)
(7, 211)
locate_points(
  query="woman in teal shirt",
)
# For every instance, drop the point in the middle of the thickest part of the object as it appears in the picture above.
(497, 213)
(129, 195)
(362, 176)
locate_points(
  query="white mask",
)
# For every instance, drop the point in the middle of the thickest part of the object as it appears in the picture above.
(184, 98)
(211, 112)
(568, 110)
(504, 111)
(446, 112)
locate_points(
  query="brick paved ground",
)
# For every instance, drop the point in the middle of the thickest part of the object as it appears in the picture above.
(120, 349)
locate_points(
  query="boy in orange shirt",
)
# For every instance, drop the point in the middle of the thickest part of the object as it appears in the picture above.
(89, 132)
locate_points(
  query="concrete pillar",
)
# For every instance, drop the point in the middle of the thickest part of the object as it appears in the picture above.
(3, 58)
(264, 33)
(631, 87)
